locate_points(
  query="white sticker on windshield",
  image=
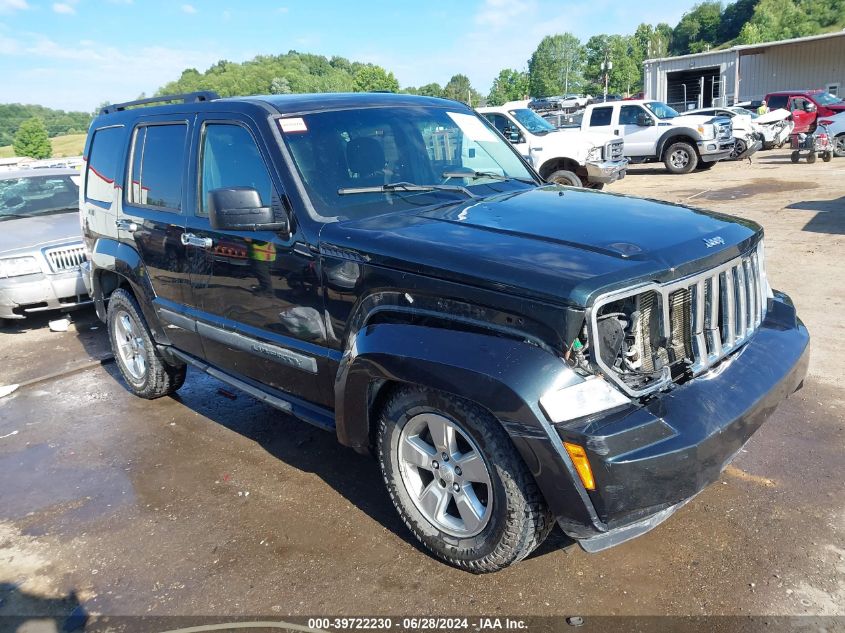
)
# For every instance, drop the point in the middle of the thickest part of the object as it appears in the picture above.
(472, 127)
(295, 124)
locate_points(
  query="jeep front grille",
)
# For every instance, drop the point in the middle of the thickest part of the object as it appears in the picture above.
(65, 258)
(683, 327)
(614, 150)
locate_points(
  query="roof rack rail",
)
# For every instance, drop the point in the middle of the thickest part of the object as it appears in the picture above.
(190, 97)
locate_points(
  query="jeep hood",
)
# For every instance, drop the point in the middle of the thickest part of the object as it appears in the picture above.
(553, 243)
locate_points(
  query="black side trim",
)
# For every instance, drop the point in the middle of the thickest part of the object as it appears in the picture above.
(321, 418)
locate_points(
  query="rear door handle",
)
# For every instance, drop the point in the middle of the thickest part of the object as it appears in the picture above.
(189, 239)
(126, 225)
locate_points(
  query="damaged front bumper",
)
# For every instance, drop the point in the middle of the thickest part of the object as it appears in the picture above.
(608, 171)
(650, 459)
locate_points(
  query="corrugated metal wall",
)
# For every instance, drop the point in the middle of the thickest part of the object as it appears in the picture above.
(803, 65)
(814, 64)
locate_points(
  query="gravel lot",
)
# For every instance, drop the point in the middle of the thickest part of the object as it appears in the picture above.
(211, 503)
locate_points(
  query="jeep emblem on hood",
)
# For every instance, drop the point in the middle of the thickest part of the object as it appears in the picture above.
(713, 241)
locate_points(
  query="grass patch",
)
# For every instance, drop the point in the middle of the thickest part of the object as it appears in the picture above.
(67, 145)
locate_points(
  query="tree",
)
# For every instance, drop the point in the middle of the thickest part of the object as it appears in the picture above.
(279, 86)
(459, 88)
(371, 77)
(556, 66)
(784, 19)
(32, 140)
(698, 29)
(430, 90)
(510, 85)
(734, 18)
(625, 54)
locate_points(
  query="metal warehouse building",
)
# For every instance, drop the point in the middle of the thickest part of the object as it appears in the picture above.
(744, 73)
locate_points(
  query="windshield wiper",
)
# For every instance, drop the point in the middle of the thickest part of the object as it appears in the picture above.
(404, 186)
(469, 173)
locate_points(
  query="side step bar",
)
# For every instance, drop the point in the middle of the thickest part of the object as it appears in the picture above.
(321, 418)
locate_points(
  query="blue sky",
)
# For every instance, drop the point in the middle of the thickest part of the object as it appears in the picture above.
(75, 54)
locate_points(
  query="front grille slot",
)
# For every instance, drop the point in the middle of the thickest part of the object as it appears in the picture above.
(691, 324)
(65, 258)
(614, 150)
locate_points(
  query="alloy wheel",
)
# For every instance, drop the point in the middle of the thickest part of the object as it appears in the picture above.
(445, 475)
(130, 345)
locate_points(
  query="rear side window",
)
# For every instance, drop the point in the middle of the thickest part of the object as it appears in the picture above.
(102, 164)
(601, 117)
(158, 153)
(777, 101)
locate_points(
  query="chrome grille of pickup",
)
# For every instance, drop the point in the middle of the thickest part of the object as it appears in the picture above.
(724, 131)
(687, 325)
(65, 258)
(614, 150)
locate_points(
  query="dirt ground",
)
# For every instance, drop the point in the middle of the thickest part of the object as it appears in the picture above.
(210, 503)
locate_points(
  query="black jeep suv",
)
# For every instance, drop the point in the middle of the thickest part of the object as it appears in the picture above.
(388, 268)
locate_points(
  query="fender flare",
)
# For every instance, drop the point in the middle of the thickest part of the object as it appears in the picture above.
(668, 135)
(112, 256)
(506, 377)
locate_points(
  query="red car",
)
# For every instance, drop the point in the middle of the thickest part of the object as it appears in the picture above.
(805, 106)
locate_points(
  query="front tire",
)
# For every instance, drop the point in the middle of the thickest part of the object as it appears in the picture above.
(702, 166)
(564, 177)
(458, 482)
(839, 145)
(827, 157)
(680, 158)
(145, 371)
(811, 158)
(739, 147)
(795, 157)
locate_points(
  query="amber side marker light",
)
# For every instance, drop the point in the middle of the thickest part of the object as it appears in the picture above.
(582, 464)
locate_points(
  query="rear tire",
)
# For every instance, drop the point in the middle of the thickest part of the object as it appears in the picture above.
(564, 177)
(458, 482)
(827, 157)
(680, 158)
(145, 371)
(811, 157)
(795, 157)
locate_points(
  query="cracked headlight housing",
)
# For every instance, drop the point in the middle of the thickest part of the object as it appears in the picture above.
(594, 154)
(18, 266)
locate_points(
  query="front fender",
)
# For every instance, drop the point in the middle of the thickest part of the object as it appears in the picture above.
(505, 376)
(675, 132)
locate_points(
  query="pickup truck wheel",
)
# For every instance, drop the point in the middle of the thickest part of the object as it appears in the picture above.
(564, 177)
(839, 145)
(680, 158)
(458, 482)
(145, 371)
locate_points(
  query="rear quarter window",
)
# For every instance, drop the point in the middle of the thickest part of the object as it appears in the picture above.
(601, 117)
(103, 158)
(777, 101)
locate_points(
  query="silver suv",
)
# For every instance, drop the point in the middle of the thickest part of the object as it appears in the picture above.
(40, 242)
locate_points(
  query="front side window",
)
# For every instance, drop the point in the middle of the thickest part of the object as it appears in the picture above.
(601, 117)
(103, 158)
(628, 114)
(499, 121)
(230, 158)
(38, 195)
(158, 153)
(798, 103)
(346, 157)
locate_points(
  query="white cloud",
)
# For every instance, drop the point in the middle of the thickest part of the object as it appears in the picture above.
(61, 7)
(282, 10)
(8, 46)
(7, 6)
(227, 15)
(189, 9)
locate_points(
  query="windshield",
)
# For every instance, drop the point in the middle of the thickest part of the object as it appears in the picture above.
(532, 121)
(661, 110)
(341, 152)
(744, 112)
(825, 98)
(29, 196)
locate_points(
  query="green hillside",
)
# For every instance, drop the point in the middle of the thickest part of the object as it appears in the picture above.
(65, 145)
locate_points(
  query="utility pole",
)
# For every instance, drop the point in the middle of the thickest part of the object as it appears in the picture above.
(606, 65)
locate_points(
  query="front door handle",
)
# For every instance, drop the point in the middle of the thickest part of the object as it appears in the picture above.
(126, 225)
(189, 239)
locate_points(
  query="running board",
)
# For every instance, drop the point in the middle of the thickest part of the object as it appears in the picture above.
(321, 418)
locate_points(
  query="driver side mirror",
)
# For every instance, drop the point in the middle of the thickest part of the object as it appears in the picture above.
(643, 120)
(809, 107)
(513, 135)
(239, 209)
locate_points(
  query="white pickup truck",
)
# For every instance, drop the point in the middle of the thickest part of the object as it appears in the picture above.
(655, 132)
(568, 157)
